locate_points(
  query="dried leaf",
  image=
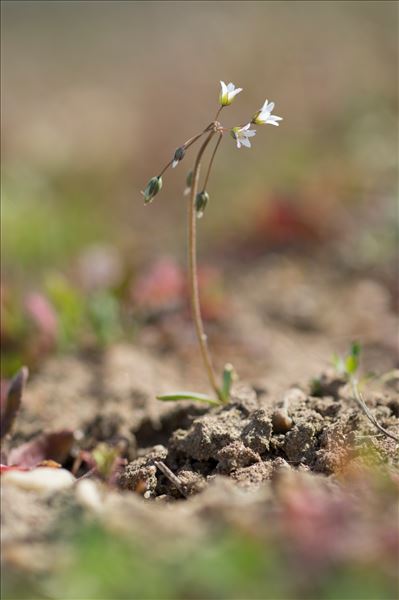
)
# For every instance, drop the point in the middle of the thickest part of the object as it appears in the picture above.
(49, 446)
(13, 401)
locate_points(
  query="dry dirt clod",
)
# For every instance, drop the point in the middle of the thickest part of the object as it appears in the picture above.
(235, 456)
(209, 434)
(140, 475)
(257, 433)
(300, 443)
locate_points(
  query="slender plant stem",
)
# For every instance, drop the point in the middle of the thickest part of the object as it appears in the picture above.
(359, 399)
(193, 273)
(211, 161)
(186, 145)
(218, 112)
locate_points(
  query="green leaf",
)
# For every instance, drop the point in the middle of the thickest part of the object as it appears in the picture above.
(338, 363)
(351, 364)
(355, 349)
(227, 381)
(188, 396)
(352, 360)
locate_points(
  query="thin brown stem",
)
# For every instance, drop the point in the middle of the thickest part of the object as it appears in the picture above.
(166, 167)
(359, 399)
(193, 273)
(218, 112)
(211, 161)
(186, 145)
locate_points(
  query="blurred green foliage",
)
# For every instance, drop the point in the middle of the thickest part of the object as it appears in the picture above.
(229, 566)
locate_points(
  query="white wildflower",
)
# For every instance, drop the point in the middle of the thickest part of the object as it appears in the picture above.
(227, 93)
(264, 115)
(242, 135)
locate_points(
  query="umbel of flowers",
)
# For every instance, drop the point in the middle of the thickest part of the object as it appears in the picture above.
(198, 202)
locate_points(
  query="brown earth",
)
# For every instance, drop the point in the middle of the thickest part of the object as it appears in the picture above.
(186, 464)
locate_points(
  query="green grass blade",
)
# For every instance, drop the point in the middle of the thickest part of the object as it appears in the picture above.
(176, 396)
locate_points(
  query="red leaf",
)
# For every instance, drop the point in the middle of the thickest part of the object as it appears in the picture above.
(49, 446)
(5, 468)
(13, 401)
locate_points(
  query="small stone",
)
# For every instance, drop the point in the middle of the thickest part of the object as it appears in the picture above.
(281, 421)
(88, 495)
(44, 480)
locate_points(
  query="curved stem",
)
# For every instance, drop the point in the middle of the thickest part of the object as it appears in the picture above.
(359, 399)
(211, 161)
(186, 145)
(193, 273)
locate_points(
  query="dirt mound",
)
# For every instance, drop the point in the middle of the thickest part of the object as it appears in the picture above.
(252, 437)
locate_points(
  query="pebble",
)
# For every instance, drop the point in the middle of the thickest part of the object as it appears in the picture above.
(88, 495)
(41, 480)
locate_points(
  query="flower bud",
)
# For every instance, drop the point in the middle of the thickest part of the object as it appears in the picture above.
(200, 203)
(189, 183)
(152, 189)
(179, 155)
(189, 179)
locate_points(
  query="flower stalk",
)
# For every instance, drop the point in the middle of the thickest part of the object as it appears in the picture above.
(197, 203)
(193, 272)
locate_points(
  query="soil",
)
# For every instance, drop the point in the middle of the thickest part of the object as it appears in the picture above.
(289, 415)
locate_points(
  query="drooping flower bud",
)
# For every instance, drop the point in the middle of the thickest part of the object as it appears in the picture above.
(152, 189)
(179, 155)
(201, 201)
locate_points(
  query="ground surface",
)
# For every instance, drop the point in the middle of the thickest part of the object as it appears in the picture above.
(291, 463)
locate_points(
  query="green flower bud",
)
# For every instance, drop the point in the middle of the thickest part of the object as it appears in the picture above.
(189, 183)
(152, 189)
(189, 179)
(200, 203)
(179, 155)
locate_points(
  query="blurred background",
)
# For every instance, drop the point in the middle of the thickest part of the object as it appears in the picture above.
(96, 96)
(297, 252)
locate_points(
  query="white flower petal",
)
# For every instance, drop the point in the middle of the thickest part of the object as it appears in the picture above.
(264, 107)
(238, 142)
(250, 133)
(224, 87)
(246, 142)
(232, 94)
(230, 87)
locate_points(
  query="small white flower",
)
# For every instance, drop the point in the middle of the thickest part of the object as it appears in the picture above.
(227, 93)
(264, 115)
(242, 135)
